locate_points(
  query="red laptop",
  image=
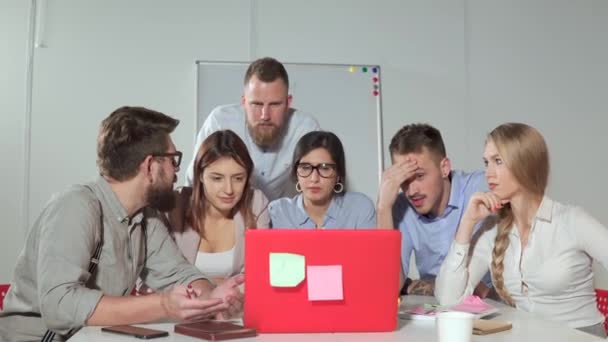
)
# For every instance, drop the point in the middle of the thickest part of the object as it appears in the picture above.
(321, 280)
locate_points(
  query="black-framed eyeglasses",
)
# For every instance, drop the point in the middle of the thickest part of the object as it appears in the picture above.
(176, 157)
(325, 170)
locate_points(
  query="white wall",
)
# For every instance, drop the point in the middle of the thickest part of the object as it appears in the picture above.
(544, 63)
(419, 45)
(100, 55)
(13, 41)
(462, 66)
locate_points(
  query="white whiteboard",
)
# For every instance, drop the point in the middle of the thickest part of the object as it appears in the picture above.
(345, 99)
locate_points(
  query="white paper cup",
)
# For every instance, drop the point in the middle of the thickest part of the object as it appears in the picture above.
(454, 326)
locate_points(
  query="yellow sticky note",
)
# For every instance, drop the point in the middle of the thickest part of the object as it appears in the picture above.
(286, 269)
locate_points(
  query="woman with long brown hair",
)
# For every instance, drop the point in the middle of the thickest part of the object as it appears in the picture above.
(539, 251)
(209, 226)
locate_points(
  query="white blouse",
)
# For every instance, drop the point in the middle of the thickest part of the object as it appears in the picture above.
(552, 277)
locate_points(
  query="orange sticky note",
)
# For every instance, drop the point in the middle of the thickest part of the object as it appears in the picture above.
(324, 282)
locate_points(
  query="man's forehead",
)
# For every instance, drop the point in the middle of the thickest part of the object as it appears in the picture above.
(265, 97)
(254, 81)
(257, 89)
(424, 158)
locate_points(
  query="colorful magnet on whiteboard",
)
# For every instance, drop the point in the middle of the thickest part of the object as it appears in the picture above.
(375, 79)
(376, 93)
(375, 70)
(352, 69)
(364, 69)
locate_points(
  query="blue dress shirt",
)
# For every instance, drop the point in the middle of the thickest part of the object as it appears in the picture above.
(351, 210)
(431, 237)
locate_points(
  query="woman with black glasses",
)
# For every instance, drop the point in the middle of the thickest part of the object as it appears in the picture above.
(319, 171)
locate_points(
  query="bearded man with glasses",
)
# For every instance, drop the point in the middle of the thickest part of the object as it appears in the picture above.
(91, 243)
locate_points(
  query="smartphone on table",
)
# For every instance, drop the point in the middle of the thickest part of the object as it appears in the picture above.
(143, 333)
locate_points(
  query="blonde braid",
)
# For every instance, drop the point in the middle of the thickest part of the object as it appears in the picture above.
(501, 244)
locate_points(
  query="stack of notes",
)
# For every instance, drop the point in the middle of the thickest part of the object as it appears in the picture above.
(471, 304)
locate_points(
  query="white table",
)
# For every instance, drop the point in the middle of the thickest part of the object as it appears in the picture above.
(526, 327)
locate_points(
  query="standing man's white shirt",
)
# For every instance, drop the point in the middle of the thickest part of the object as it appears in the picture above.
(272, 164)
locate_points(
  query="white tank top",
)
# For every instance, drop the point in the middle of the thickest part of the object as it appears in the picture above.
(215, 265)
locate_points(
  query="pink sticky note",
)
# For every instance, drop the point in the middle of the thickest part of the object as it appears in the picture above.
(472, 304)
(420, 310)
(324, 282)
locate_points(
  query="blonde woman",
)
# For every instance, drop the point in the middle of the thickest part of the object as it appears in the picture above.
(540, 251)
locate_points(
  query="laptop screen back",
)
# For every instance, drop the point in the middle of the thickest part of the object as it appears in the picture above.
(350, 280)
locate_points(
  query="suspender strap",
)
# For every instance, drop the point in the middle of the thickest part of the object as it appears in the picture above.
(48, 337)
(95, 259)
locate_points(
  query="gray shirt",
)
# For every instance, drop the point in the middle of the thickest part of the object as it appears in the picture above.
(51, 278)
(272, 164)
(351, 210)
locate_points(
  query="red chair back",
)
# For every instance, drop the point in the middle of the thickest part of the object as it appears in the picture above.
(3, 291)
(602, 304)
